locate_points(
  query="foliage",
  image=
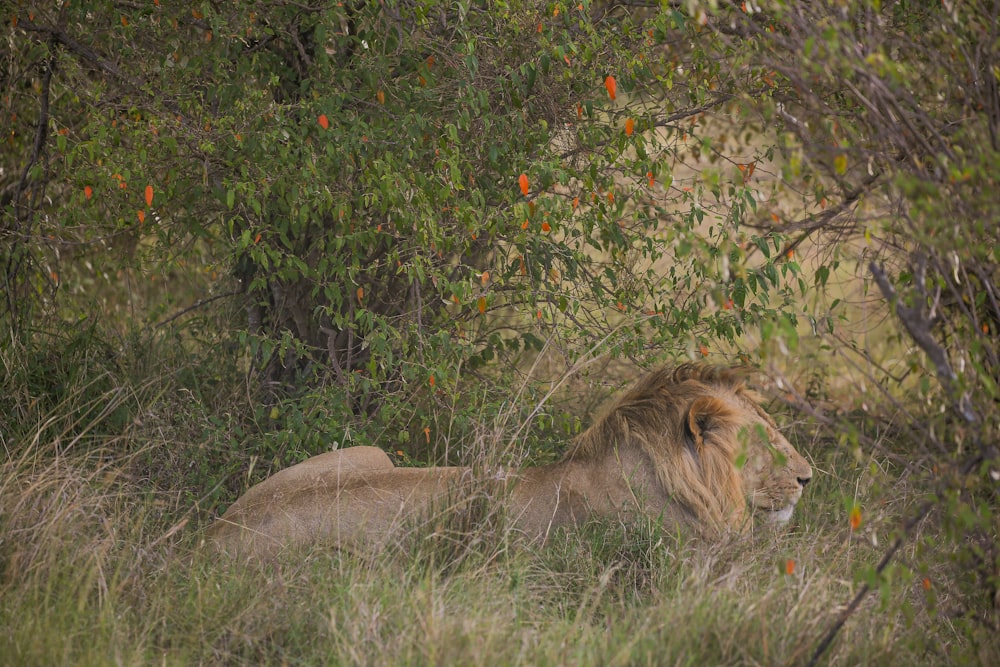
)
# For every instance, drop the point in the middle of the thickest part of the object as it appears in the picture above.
(400, 191)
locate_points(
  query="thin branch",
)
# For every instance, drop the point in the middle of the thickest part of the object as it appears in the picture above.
(918, 325)
(102, 64)
(23, 213)
(194, 306)
(886, 559)
(41, 129)
(666, 121)
(819, 222)
(908, 527)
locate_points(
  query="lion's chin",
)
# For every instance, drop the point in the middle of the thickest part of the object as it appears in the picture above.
(780, 516)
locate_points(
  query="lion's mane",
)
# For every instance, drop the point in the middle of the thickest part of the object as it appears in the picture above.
(665, 416)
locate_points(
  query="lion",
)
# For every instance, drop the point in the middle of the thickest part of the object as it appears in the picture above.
(686, 446)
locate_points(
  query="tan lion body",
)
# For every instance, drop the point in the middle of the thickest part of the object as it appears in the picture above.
(666, 448)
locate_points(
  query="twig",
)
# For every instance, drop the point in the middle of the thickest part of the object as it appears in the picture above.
(918, 325)
(41, 129)
(882, 564)
(908, 527)
(90, 55)
(41, 133)
(197, 304)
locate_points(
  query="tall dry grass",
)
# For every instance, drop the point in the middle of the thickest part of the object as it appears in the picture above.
(100, 560)
(94, 571)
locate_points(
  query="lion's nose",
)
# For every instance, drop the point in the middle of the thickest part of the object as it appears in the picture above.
(803, 480)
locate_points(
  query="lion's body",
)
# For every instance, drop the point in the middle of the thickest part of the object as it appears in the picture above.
(668, 448)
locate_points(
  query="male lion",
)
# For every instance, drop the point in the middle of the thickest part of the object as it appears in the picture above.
(688, 446)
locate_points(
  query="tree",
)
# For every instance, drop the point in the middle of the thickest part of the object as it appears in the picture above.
(398, 188)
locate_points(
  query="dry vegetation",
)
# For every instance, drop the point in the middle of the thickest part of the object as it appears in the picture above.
(99, 569)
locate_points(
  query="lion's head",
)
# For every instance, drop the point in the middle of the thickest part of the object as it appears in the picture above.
(713, 448)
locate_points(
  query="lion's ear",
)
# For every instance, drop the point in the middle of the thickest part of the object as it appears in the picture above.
(705, 413)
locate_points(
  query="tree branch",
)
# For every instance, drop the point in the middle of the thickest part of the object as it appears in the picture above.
(908, 527)
(918, 324)
(197, 304)
(102, 64)
(23, 213)
(865, 589)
